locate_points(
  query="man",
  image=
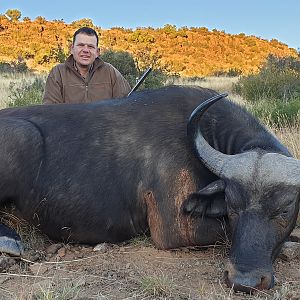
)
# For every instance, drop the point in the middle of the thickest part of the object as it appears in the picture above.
(84, 77)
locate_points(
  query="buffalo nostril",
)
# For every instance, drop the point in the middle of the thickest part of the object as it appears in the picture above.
(266, 283)
(247, 282)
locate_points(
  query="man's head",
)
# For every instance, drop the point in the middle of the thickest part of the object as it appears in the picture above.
(85, 47)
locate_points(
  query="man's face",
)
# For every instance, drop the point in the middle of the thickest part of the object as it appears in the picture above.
(85, 49)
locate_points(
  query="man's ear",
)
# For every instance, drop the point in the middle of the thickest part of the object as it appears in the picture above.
(71, 48)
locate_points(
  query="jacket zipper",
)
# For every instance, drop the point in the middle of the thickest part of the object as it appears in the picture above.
(86, 91)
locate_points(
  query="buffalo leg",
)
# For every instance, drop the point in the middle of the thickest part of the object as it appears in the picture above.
(10, 241)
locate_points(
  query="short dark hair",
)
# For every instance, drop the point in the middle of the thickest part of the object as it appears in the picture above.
(87, 31)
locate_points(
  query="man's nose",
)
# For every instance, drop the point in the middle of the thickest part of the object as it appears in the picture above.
(85, 48)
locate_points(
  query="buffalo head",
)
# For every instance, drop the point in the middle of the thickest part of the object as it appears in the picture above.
(261, 202)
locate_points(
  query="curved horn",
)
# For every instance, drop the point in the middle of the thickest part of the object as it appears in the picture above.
(213, 159)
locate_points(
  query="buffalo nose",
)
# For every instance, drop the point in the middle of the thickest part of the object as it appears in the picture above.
(248, 281)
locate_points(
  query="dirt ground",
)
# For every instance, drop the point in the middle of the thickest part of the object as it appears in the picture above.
(132, 270)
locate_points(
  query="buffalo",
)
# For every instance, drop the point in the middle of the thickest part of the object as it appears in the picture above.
(111, 170)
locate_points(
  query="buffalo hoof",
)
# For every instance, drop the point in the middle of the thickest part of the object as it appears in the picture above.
(10, 241)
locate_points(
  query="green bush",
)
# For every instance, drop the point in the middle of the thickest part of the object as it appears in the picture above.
(276, 113)
(125, 63)
(274, 93)
(18, 66)
(279, 78)
(154, 80)
(26, 93)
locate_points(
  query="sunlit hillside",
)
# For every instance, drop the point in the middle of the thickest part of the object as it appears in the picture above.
(184, 51)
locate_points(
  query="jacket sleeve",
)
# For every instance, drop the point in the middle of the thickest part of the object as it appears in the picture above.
(53, 89)
(121, 87)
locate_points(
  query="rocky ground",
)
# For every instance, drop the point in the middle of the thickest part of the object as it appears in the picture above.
(134, 270)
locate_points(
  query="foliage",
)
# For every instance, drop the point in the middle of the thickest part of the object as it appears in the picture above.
(83, 23)
(27, 92)
(18, 66)
(279, 78)
(185, 51)
(273, 93)
(13, 14)
(155, 79)
(229, 73)
(52, 55)
(276, 112)
(124, 62)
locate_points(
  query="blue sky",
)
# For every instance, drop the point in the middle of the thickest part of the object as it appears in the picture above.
(266, 19)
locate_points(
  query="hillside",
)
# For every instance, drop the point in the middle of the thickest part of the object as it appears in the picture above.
(185, 51)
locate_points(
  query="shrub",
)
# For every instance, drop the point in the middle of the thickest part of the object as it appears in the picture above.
(275, 113)
(18, 66)
(124, 62)
(274, 93)
(154, 80)
(279, 78)
(26, 93)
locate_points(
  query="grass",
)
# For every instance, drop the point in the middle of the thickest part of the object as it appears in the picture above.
(220, 84)
(48, 289)
(10, 81)
(69, 291)
(31, 237)
(157, 286)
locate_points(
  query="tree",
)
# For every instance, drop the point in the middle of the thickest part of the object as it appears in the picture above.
(124, 62)
(83, 23)
(40, 20)
(13, 14)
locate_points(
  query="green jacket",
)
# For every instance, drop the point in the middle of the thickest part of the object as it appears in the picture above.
(65, 85)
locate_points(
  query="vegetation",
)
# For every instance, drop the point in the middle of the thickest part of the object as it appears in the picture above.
(274, 93)
(26, 92)
(185, 51)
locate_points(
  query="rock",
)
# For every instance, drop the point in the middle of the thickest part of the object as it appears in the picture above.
(61, 252)
(6, 262)
(295, 235)
(38, 269)
(102, 248)
(52, 249)
(127, 266)
(290, 251)
(34, 256)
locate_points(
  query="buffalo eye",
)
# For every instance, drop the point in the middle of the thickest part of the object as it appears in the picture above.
(282, 217)
(282, 221)
(232, 214)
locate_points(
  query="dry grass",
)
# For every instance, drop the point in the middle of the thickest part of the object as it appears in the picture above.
(31, 237)
(220, 84)
(14, 78)
(290, 137)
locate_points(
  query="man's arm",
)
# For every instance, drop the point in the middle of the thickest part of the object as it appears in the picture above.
(121, 87)
(53, 89)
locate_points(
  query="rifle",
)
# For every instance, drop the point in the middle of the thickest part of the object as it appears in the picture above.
(140, 81)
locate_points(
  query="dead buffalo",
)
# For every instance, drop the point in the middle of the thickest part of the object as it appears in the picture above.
(111, 170)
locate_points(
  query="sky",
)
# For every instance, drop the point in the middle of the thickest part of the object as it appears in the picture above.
(266, 19)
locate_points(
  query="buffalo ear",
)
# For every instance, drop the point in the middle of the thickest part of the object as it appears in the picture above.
(214, 187)
(208, 202)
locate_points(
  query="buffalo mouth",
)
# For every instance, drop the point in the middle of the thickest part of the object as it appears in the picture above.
(248, 280)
